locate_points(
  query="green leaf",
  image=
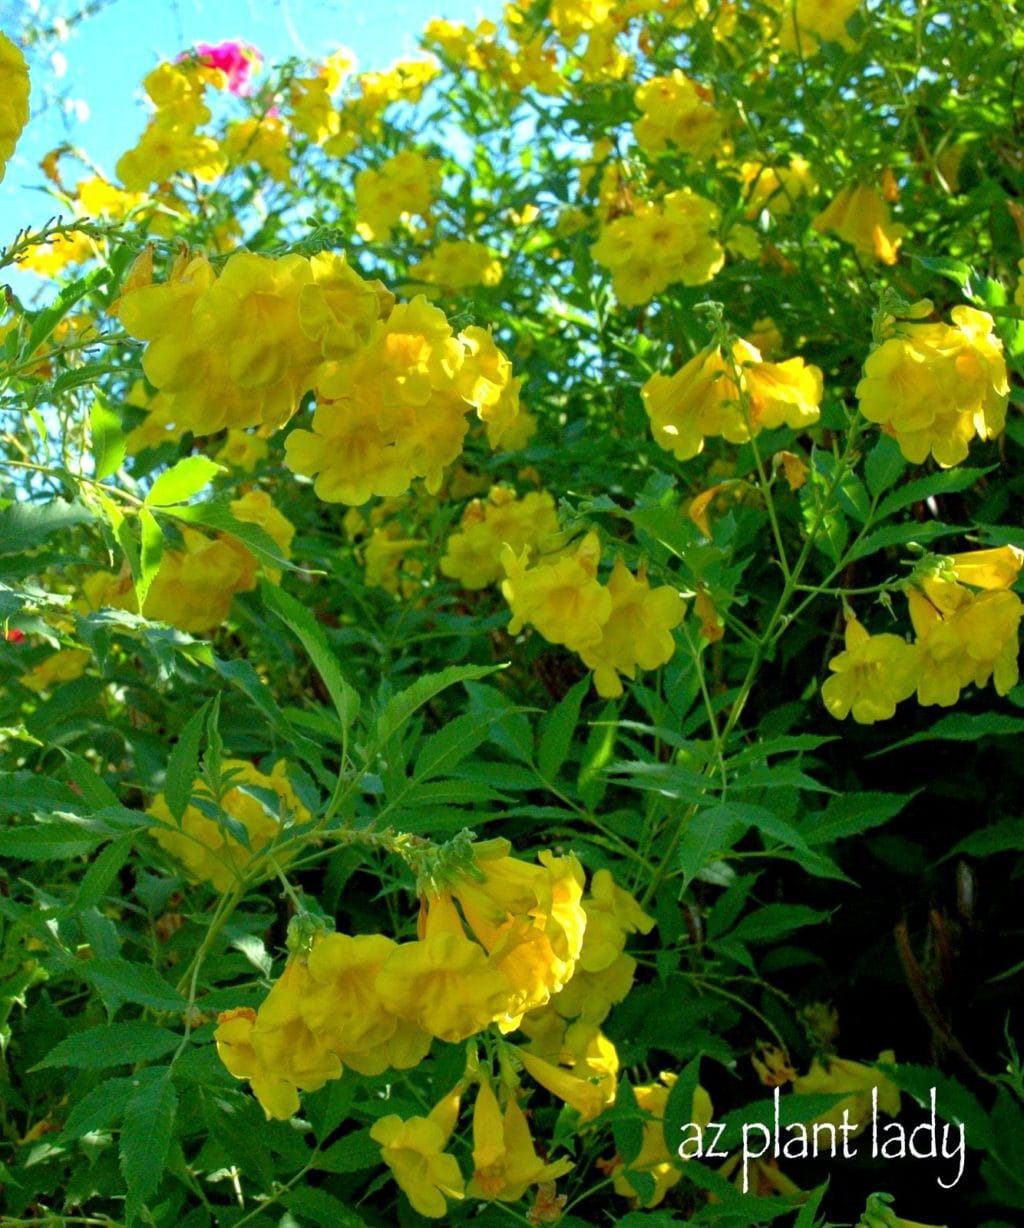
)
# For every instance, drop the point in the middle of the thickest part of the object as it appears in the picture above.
(183, 763)
(117, 1044)
(948, 481)
(959, 273)
(852, 813)
(311, 635)
(350, 1154)
(183, 480)
(445, 750)
(962, 727)
(23, 526)
(801, 1107)
(27, 792)
(119, 981)
(400, 707)
(884, 466)
(707, 836)
(319, 1208)
(679, 1108)
(774, 921)
(51, 841)
(217, 515)
(48, 319)
(1003, 837)
(238, 1126)
(150, 556)
(145, 1141)
(900, 535)
(108, 445)
(627, 1130)
(558, 729)
(100, 875)
(99, 1108)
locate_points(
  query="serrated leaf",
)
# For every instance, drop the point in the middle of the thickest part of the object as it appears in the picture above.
(1005, 836)
(884, 466)
(962, 727)
(948, 481)
(26, 792)
(400, 707)
(117, 1044)
(48, 319)
(236, 1123)
(100, 875)
(350, 1154)
(311, 635)
(319, 1207)
(184, 479)
(953, 1102)
(774, 921)
(852, 813)
(108, 443)
(119, 980)
(900, 535)
(558, 729)
(706, 837)
(679, 1109)
(183, 764)
(51, 841)
(99, 1108)
(23, 526)
(150, 555)
(444, 750)
(145, 1141)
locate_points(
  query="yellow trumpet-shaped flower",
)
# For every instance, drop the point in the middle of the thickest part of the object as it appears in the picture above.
(505, 1162)
(561, 596)
(873, 675)
(414, 1151)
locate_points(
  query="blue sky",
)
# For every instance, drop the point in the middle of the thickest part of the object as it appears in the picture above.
(108, 55)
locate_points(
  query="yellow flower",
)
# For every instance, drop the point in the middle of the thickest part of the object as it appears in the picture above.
(836, 1076)
(472, 555)
(588, 1098)
(402, 186)
(805, 22)
(653, 1157)
(873, 675)
(859, 216)
(638, 632)
(486, 383)
(274, 1049)
(444, 984)
(677, 111)
(560, 596)
(775, 188)
(63, 666)
(505, 1162)
(674, 241)
(998, 567)
(243, 450)
(973, 641)
(343, 1008)
(14, 91)
(414, 1151)
(206, 846)
(458, 263)
(935, 386)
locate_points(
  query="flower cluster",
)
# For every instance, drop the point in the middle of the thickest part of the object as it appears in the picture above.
(615, 628)
(473, 553)
(674, 240)
(962, 637)
(396, 409)
(735, 398)
(14, 90)
(935, 386)
(206, 841)
(371, 1003)
(811, 22)
(171, 143)
(458, 263)
(677, 111)
(403, 185)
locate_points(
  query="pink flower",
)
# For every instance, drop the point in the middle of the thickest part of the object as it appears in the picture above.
(235, 59)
